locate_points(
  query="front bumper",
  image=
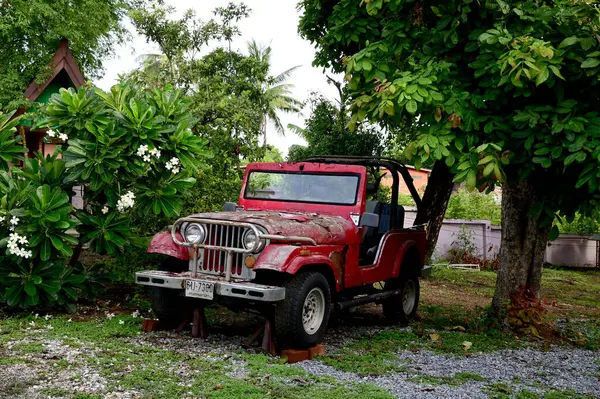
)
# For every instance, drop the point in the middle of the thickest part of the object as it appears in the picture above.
(234, 289)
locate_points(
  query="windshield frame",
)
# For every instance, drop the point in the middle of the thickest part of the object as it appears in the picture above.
(258, 171)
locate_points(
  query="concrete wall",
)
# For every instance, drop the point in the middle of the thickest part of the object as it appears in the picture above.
(567, 250)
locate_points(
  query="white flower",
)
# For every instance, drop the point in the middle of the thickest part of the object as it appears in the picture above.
(32, 323)
(51, 133)
(121, 321)
(47, 317)
(70, 320)
(14, 220)
(109, 315)
(146, 158)
(135, 314)
(155, 152)
(142, 150)
(37, 315)
(63, 136)
(14, 240)
(2, 218)
(105, 210)
(173, 165)
(126, 201)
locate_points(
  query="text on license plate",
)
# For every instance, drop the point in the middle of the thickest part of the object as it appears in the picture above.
(199, 289)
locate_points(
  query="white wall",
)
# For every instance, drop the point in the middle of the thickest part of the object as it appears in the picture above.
(567, 250)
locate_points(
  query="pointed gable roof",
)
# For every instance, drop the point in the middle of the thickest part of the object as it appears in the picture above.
(63, 60)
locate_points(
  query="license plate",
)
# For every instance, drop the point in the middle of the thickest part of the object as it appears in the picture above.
(199, 289)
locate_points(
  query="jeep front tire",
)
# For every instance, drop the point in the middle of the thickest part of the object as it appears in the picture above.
(301, 318)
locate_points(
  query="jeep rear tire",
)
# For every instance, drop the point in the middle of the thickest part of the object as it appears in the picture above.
(168, 306)
(402, 308)
(301, 318)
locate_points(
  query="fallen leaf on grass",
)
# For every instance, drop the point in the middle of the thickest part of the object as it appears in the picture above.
(434, 337)
(467, 345)
(456, 328)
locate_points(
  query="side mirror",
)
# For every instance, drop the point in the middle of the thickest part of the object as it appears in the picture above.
(369, 220)
(230, 207)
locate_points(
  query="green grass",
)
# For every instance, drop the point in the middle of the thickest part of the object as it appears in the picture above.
(565, 286)
(154, 372)
(28, 347)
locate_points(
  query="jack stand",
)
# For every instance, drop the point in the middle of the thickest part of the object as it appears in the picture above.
(182, 325)
(199, 325)
(268, 341)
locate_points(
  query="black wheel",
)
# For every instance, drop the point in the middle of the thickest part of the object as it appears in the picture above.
(168, 306)
(301, 318)
(402, 308)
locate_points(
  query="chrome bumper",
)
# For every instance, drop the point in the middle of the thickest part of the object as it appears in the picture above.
(235, 289)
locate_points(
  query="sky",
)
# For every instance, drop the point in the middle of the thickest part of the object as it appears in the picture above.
(271, 22)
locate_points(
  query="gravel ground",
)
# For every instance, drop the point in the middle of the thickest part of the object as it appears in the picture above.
(564, 369)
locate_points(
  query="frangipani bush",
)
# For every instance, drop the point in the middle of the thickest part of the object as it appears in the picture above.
(132, 152)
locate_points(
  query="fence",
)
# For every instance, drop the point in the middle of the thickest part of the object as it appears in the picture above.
(566, 250)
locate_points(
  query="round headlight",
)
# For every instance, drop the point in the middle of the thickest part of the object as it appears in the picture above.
(249, 240)
(195, 233)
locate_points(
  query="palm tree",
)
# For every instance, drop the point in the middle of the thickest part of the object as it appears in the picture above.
(277, 94)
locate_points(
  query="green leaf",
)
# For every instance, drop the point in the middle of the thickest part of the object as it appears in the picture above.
(486, 159)
(411, 106)
(542, 76)
(489, 169)
(30, 288)
(569, 41)
(45, 250)
(556, 71)
(590, 63)
(554, 233)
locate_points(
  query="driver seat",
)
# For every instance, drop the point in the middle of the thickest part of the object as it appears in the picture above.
(371, 236)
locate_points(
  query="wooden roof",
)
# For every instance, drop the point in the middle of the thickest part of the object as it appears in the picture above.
(62, 60)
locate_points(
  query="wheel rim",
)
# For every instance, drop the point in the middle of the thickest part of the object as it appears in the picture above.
(313, 311)
(409, 297)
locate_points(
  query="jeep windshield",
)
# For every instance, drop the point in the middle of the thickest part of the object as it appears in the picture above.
(337, 189)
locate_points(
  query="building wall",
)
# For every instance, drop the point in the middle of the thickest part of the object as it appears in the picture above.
(420, 178)
(566, 250)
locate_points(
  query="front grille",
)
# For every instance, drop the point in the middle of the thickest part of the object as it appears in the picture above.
(213, 261)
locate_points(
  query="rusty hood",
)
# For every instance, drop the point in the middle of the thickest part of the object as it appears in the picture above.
(324, 229)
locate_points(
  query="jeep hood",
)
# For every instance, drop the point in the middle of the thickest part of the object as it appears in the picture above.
(324, 229)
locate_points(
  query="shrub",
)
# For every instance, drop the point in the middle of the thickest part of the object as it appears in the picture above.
(134, 155)
(469, 205)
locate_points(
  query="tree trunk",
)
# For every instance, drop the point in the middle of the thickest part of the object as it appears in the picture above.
(523, 244)
(434, 204)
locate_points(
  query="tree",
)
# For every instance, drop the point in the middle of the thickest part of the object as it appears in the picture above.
(326, 134)
(505, 93)
(30, 31)
(276, 96)
(225, 87)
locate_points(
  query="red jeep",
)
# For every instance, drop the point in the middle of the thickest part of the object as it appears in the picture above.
(302, 237)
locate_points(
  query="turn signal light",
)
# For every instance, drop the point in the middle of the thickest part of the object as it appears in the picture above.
(250, 261)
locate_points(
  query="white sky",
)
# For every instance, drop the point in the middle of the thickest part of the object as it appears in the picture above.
(271, 22)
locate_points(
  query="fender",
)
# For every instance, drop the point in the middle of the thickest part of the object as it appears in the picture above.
(402, 253)
(290, 259)
(162, 243)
